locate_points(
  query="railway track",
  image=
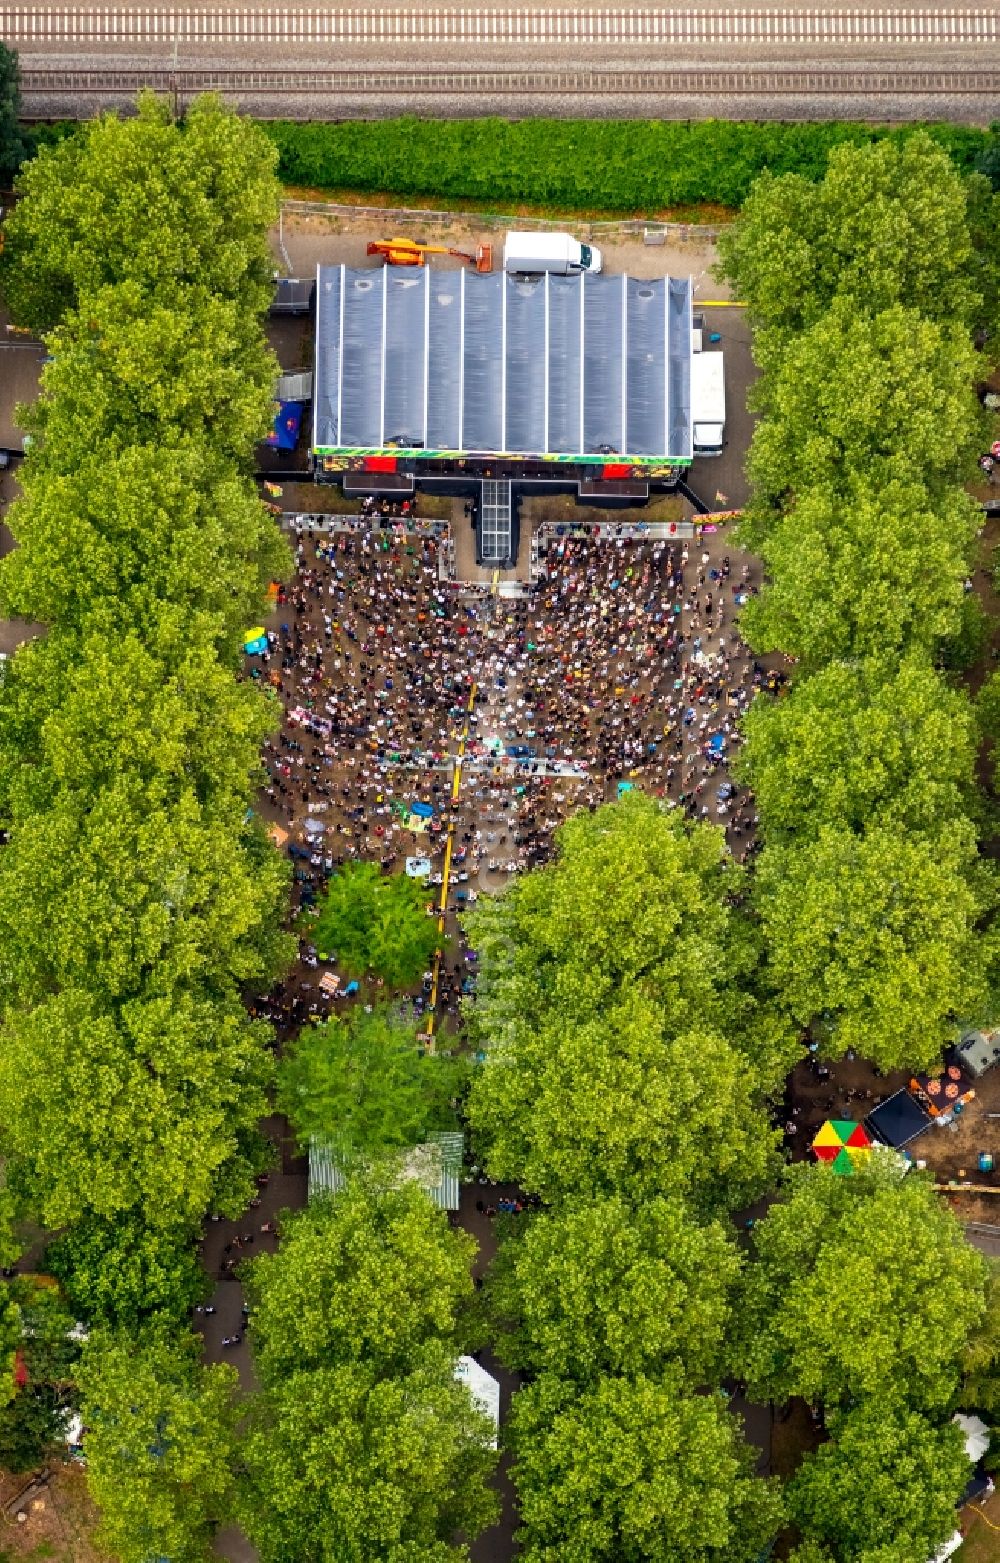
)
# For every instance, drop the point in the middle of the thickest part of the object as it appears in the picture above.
(27, 26)
(317, 83)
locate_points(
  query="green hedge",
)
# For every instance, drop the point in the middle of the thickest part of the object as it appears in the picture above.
(623, 165)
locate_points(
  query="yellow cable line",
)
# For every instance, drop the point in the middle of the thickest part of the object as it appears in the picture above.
(456, 786)
(982, 1516)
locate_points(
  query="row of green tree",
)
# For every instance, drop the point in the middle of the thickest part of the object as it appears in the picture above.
(865, 293)
(623, 166)
(630, 1052)
(139, 898)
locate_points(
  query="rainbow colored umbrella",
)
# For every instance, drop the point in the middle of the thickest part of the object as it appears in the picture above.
(842, 1143)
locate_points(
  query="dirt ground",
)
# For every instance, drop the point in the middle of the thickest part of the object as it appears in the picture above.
(313, 238)
(60, 1521)
(980, 1524)
(854, 1088)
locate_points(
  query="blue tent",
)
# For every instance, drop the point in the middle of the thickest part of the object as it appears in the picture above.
(287, 423)
(422, 810)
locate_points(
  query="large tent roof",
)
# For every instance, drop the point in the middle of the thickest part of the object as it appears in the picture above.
(454, 362)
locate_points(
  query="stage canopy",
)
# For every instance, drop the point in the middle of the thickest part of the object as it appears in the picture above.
(422, 361)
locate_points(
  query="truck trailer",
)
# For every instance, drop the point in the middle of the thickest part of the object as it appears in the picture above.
(556, 252)
(708, 400)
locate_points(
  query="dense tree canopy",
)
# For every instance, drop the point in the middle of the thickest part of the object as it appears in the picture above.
(874, 941)
(596, 1287)
(862, 566)
(159, 1443)
(343, 1463)
(859, 743)
(144, 1108)
(376, 925)
(140, 899)
(852, 1279)
(370, 1276)
(142, 201)
(855, 390)
(616, 1103)
(888, 224)
(888, 1477)
(639, 906)
(361, 1442)
(39, 1326)
(11, 140)
(363, 1085)
(124, 1272)
(635, 1469)
(115, 536)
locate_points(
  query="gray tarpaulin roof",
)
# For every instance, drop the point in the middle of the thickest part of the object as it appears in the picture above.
(454, 361)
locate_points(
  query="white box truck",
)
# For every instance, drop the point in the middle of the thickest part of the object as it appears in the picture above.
(557, 252)
(708, 398)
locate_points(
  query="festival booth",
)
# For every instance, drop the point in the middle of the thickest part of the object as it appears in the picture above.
(843, 1144)
(898, 1120)
(287, 423)
(436, 1166)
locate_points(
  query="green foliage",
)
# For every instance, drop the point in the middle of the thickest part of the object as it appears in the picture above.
(145, 1107)
(32, 1422)
(888, 1477)
(886, 225)
(858, 743)
(12, 146)
(874, 938)
(596, 1287)
(870, 566)
(874, 903)
(159, 1443)
(613, 165)
(376, 925)
(139, 201)
(361, 1443)
(150, 524)
(124, 1273)
(341, 1463)
(361, 1083)
(853, 1277)
(603, 981)
(856, 391)
(617, 1103)
(11, 1325)
(635, 1469)
(368, 1277)
(981, 1361)
(140, 901)
(638, 904)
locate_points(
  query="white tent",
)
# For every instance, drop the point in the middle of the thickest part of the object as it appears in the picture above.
(977, 1435)
(482, 1386)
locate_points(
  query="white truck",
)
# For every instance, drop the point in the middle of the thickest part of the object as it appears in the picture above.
(556, 252)
(708, 397)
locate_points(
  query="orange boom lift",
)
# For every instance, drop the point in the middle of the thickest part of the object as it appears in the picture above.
(406, 252)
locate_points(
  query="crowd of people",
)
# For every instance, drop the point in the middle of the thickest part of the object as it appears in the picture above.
(620, 666)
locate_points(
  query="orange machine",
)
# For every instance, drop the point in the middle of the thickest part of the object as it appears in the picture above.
(406, 252)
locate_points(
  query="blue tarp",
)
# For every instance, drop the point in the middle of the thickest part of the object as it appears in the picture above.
(287, 422)
(422, 810)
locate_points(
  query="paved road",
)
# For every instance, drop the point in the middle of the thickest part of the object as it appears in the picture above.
(985, 1238)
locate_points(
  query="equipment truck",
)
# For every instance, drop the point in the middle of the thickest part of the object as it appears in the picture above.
(708, 396)
(555, 252)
